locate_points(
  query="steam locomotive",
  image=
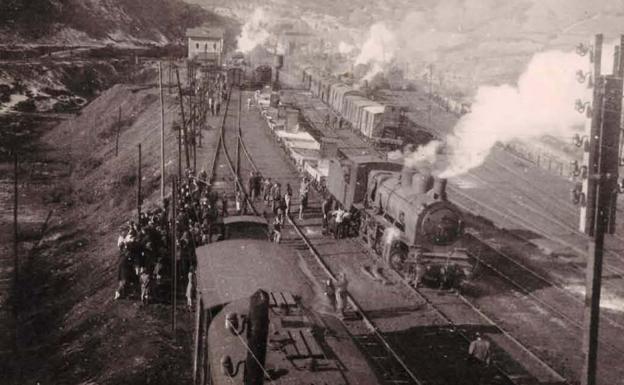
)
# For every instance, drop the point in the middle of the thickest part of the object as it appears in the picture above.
(258, 316)
(403, 215)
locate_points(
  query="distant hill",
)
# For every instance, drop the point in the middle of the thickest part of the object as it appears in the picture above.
(76, 22)
(469, 42)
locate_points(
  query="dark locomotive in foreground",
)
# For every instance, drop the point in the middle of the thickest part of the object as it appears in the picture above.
(403, 215)
(258, 318)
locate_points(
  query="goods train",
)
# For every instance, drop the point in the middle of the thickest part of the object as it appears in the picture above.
(375, 121)
(258, 316)
(404, 216)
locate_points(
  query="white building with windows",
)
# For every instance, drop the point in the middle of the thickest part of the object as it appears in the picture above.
(205, 44)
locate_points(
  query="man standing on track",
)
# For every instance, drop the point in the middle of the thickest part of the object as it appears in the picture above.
(478, 358)
(326, 210)
(338, 222)
(304, 190)
(341, 294)
(287, 198)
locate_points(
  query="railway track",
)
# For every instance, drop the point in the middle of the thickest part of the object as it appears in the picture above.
(379, 350)
(391, 369)
(468, 204)
(565, 306)
(390, 365)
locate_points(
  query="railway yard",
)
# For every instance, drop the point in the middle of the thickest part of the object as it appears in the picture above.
(208, 221)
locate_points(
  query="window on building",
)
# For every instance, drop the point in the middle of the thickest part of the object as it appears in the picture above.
(197, 45)
(205, 46)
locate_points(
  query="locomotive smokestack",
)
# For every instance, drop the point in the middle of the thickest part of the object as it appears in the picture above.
(407, 174)
(257, 333)
(439, 188)
(422, 182)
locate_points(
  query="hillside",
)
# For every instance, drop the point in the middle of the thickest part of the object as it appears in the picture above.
(79, 22)
(469, 42)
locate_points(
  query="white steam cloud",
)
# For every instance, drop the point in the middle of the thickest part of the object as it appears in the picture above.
(424, 155)
(345, 48)
(417, 37)
(541, 104)
(254, 32)
(378, 50)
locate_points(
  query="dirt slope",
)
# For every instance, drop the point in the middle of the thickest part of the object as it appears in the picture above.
(74, 331)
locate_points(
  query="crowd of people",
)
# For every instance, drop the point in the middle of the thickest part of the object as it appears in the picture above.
(145, 246)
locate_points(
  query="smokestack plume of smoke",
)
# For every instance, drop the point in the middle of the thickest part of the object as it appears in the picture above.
(423, 156)
(541, 104)
(378, 50)
(345, 48)
(254, 32)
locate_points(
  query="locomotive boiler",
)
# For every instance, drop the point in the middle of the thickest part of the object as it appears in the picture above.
(405, 218)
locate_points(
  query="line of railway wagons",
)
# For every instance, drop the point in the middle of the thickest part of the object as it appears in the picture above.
(374, 120)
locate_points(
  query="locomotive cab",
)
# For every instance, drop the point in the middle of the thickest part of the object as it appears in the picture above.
(348, 175)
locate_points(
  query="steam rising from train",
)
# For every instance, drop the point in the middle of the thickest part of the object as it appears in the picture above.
(542, 103)
(378, 50)
(412, 39)
(254, 31)
(345, 48)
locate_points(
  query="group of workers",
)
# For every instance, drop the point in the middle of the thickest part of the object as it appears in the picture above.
(280, 201)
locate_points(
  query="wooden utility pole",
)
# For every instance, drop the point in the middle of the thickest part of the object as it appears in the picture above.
(201, 115)
(178, 129)
(117, 133)
(139, 200)
(15, 223)
(238, 141)
(430, 93)
(162, 134)
(15, 249)
(170, 78)
(601, 187)
(192, 126)
(174, 273)
(186, 146)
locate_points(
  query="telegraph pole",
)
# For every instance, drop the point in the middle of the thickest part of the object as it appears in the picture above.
(162, 134)
(15, 260)
(174, 273)
(430, 92)
(600, 189)
(117, 132)
(186, 142)
(139, 200)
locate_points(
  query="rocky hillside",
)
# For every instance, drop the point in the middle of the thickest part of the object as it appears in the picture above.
(81, 22)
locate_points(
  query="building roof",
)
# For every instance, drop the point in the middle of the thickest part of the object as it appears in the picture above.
(205, 32)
